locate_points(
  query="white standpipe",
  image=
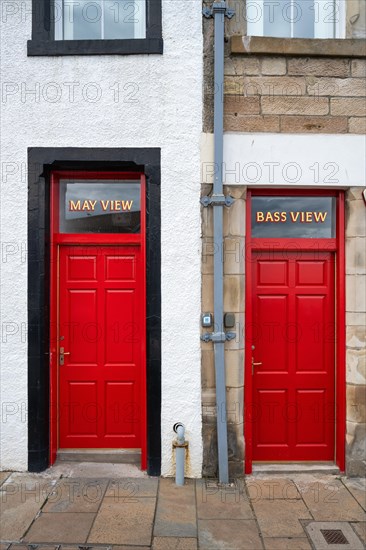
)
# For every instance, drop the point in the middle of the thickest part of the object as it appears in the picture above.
(180, 446)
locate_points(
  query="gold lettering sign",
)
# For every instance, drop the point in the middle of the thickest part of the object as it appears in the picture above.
(88, 205)
(294, 217)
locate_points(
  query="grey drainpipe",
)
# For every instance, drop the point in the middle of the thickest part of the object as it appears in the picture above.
(218, 201)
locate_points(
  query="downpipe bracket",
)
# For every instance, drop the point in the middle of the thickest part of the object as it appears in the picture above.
(217, 200)
(218, 336)
(218, 7)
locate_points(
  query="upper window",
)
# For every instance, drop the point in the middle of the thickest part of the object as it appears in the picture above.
(296, 18)
(92, 27)
(100, 19)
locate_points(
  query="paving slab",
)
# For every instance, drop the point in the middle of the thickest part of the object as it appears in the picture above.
(60, 528)
(21, 498)
(357, 487)
(128, 523)
(48, 547)
(176, 510)
(76, 495)
(228, 534)
(4, 476)
(174, 543)
(289, 543)
(328, 499)
(28, 482)
(131, 488)
(281, 518)
(226, 502)
(105, 547)
(360, 529)
(29, 479)
(315, 530)
(270, 488)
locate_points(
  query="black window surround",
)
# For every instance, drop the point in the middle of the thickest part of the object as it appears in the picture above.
(41, 163)
(43, 32)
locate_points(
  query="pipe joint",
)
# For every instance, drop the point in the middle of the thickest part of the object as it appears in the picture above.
(219, 7)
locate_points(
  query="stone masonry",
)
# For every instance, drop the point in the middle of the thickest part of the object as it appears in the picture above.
(356, 336)
(306, 93)
(295, 94)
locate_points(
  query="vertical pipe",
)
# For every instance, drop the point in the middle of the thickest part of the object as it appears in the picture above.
(180, 454)
(219, 10)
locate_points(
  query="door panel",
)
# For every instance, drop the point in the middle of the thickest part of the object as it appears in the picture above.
(270, 407)
(293, 339)
(101, 328)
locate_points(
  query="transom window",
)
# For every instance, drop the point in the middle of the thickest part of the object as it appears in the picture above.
(100, 19)
(296, 18)
(99, 206)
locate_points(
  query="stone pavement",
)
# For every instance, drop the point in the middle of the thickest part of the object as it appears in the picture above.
(98, 506)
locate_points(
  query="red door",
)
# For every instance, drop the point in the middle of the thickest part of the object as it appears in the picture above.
(101, 333)
(293, 344)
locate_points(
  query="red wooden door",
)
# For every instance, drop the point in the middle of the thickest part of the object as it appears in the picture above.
(294, 340)
(101, 329)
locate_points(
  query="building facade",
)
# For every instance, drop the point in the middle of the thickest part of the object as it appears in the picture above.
(107, 139)
(85, 108)
(294, 125)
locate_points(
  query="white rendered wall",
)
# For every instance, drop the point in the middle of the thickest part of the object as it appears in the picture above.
(118, 101)
(288, 160)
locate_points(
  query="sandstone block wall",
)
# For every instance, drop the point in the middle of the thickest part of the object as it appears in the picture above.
(295, 94)
(356, 332)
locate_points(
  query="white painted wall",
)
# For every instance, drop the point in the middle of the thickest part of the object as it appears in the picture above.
(289, 160)
(159, 105)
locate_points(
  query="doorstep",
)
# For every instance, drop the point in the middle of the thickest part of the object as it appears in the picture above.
(106, 456)
(295, 468)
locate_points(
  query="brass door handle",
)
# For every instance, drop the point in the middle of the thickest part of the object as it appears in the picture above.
(62, 356)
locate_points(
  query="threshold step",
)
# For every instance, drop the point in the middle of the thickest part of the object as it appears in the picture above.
(296, 468)
(108, 456)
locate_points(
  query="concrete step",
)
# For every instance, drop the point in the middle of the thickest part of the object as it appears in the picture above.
(108, 456)
(295, 468)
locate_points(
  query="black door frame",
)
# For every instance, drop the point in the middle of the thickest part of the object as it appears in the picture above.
(41, 162)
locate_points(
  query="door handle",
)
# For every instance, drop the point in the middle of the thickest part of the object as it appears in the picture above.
(255, 365)
(62, 356)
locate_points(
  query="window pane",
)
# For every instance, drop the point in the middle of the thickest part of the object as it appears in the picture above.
(304, 18)
(82, 19)
(277, 18)
(294, 18)
(102, 206)
(100, 19)
(293, 217)
(124, 19)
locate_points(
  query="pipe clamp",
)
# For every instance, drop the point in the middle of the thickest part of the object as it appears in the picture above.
(217, 200)
(218, 7)
(218, 336)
